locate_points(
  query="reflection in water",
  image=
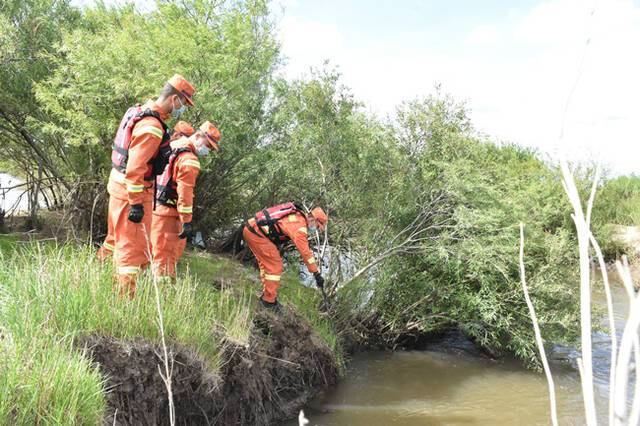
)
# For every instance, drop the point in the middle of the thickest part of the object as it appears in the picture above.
(432, 388)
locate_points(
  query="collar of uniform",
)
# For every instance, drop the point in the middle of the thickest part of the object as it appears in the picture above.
(153, 106)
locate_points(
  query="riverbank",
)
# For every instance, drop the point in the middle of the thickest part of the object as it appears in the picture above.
(78, 355)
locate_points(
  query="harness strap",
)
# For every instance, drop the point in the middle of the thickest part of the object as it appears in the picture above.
(120, 150)
(251, 229)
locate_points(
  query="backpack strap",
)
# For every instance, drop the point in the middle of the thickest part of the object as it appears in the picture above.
(120, 150)
(274, 233)
(155, 114)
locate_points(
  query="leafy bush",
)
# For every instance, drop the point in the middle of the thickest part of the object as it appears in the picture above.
(618, 202)
(466, 274)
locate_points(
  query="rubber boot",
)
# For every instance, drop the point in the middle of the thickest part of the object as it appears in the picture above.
(274, 307)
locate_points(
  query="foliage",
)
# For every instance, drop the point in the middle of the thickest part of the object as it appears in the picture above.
(467, 274)
(30, 31)
(92, 66)
(618, 202)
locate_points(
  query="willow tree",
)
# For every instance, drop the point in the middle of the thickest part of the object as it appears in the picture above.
(121, 56)
(29, 33)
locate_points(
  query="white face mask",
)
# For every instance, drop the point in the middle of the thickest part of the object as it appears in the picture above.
(175, 113)
(202, 150)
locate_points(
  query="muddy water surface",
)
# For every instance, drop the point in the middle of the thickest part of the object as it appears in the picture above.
(432, 387)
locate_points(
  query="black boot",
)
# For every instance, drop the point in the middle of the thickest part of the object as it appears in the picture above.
(274, 307)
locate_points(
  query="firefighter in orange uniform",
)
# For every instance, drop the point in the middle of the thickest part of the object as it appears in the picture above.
(182, 128)
(268, 231)
(172, 218)
(140, 152)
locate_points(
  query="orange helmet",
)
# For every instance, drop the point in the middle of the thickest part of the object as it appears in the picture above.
(320, 216)
(185, 88)
(212, 133)
(182, 128)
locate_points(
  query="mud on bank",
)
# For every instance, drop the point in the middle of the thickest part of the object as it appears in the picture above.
(284, 364)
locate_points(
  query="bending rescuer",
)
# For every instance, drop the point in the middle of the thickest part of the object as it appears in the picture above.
(268, 231)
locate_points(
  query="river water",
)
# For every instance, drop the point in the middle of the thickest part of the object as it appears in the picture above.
(436, 387)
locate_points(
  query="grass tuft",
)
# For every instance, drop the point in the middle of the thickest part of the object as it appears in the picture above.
(52, 295)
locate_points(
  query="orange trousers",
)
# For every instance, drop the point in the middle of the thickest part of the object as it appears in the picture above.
(167, 247)
(132, 244)
(108, 246)
(269, 261)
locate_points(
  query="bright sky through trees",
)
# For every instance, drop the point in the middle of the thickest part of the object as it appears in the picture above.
(514, 62)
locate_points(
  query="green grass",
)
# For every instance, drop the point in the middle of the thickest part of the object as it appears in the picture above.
(306, 301)
(50, 295)
(7, 245)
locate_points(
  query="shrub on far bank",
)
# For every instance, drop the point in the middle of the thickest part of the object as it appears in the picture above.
(616, 207)
(618, 202)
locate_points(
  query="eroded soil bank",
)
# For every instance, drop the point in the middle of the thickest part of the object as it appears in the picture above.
(284, 364)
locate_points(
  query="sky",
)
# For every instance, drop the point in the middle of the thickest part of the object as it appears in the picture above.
(515, 63)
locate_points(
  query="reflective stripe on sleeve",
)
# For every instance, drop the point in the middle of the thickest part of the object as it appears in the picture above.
(311, 261)
(303, 230)
(272, 277)
(108, 246)
(130, 270)
(185, 209)
(192, 163)
(152, 130)
(135, 188)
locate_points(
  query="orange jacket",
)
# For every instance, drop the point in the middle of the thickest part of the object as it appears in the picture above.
(294, 227)
(145, 141)
(186, 168)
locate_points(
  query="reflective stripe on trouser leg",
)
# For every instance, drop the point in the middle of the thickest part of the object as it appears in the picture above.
(270, 263)
(270, 288)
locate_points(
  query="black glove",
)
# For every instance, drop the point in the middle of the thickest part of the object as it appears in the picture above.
(187, 231)
(136, 213)
(319, 279)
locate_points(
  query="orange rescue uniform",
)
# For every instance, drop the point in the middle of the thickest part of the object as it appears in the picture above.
(132, 240)
(108, 246)
(182, 128)
(294, 228)
(168, 220)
